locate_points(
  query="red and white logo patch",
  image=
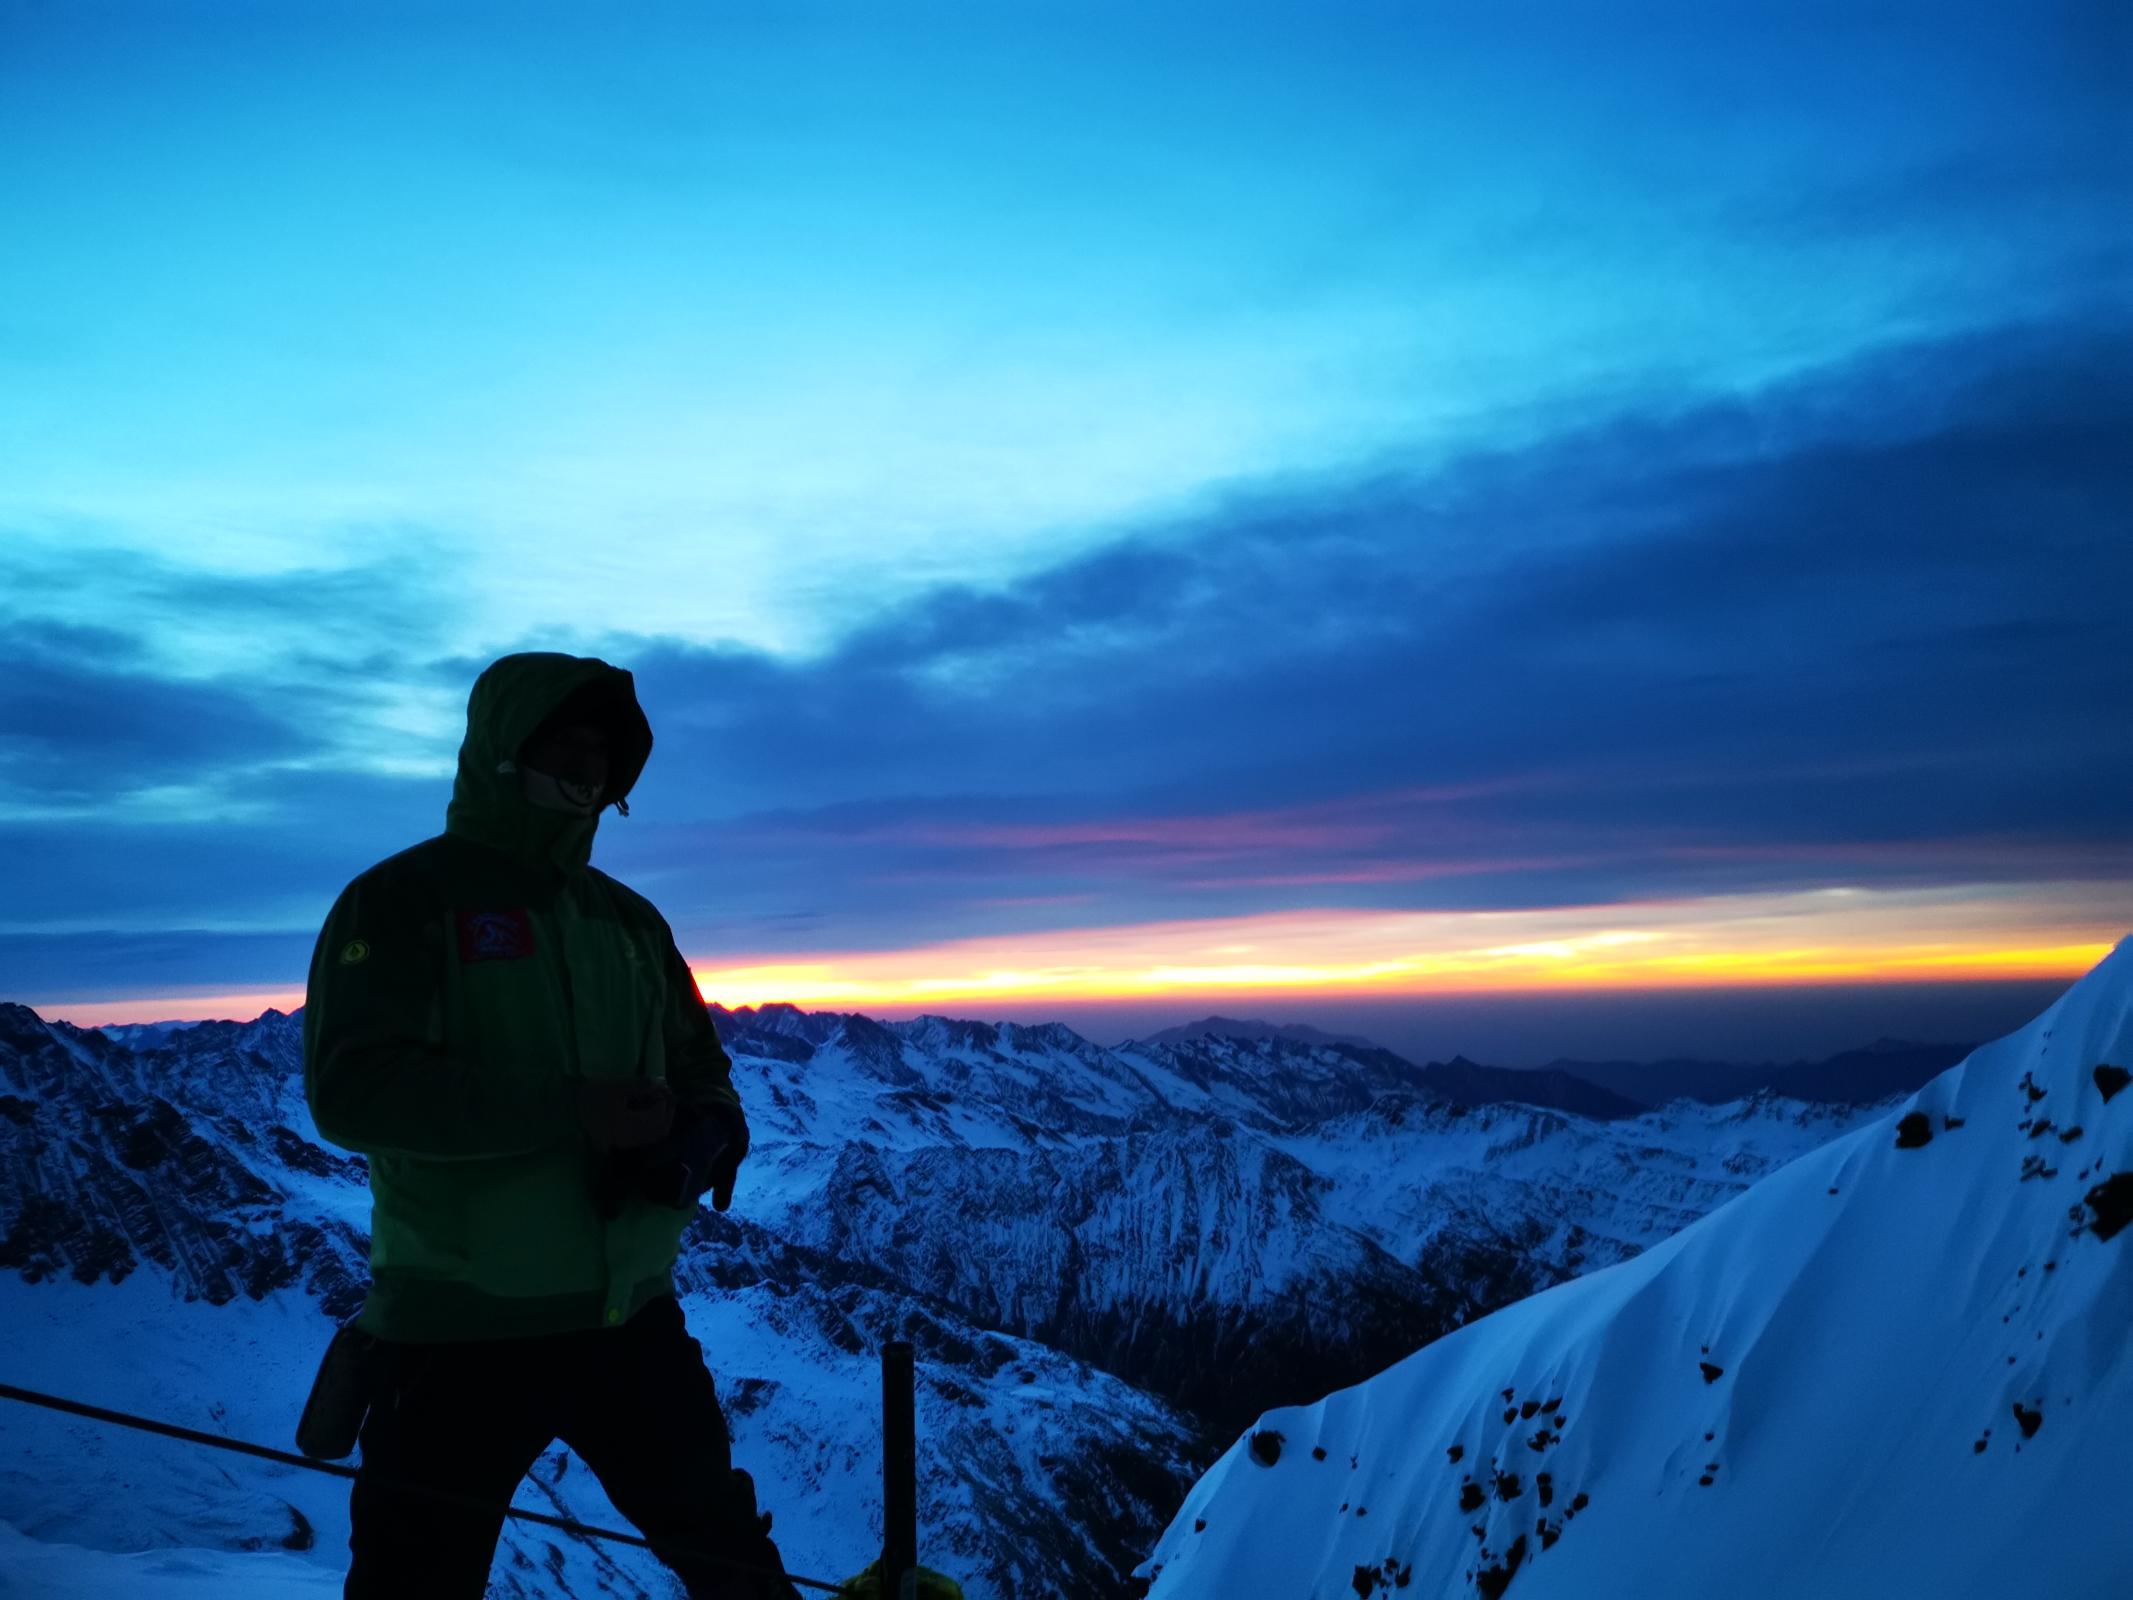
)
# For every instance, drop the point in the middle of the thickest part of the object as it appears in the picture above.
(495, 935)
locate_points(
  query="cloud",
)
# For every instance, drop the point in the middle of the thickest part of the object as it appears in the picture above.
(1762, 640)
(71, 729)
(1859, 629)
(123, 673)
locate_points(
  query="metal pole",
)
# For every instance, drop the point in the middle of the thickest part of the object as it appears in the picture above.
(899, 1473)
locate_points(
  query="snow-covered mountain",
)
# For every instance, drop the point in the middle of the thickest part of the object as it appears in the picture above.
(1898, 1366)
(1225, 1222)
(1102, 1255)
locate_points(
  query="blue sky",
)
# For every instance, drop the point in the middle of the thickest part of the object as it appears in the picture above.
(1072, 470)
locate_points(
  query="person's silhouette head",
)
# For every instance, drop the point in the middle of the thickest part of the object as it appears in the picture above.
(565, 763)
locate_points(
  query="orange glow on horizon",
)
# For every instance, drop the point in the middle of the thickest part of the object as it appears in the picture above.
(243, 1005)
(1825, 936)
(1979, 933)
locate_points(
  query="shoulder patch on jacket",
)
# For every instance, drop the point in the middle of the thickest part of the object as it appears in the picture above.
(495, 935)
(353, 951)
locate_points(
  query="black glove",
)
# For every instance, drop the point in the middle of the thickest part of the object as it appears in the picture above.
(702, 1150)
(725, 1164)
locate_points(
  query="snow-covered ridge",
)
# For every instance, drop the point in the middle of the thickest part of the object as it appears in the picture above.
(1898, 1366)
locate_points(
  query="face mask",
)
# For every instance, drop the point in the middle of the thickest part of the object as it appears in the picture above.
(551, 793)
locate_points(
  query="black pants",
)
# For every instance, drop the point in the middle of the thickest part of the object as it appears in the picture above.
(635, 1403)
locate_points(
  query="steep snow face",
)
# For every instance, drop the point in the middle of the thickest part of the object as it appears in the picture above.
(1560, 1190)
(1897, 1366)
(194, 1153)
(1270, 1083)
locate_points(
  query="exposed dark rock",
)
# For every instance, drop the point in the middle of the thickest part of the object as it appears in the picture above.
(1318, 1452)
(2110, 1079)
(1914, 1130)
(301, 1535)
(2030, 1420)
(1471, 1497)
(1266, 1447)
(1508, 1486)
(1454, 1452)
(1711, 1374)
(2112, 1203)
(1387, 1574)
(1491, 1582)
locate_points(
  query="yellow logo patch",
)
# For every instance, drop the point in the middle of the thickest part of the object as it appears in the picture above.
(353, 951)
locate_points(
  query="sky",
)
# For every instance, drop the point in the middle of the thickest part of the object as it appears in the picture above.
(1561, 531)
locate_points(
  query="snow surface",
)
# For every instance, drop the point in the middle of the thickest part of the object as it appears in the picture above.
(804, 1414)
(1080, 1241)
(1887, 1369)
(30, 1570)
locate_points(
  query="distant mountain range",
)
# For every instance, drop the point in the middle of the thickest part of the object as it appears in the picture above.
(1606, 1089)
(1851, 1077)
(1231, 1028)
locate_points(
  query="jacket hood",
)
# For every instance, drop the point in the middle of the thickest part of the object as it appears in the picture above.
(510, 700)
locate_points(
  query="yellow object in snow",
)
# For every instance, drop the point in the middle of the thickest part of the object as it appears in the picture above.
(867, 1586)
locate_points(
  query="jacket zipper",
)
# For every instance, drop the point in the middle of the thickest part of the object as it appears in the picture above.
(577, 1062)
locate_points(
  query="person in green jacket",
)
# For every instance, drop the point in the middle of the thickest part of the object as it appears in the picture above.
(513, 1040)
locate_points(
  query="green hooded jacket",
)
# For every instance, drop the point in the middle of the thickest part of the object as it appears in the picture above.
(458, 991)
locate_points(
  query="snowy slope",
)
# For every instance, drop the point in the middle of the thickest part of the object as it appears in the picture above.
(1095, 1251)
(1897, 1366)
(180, 1244)
(1019, 1445)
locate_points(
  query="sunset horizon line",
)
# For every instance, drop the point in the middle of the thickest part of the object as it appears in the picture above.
(1824, 938)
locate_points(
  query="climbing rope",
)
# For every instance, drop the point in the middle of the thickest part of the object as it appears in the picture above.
(126, 1419)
